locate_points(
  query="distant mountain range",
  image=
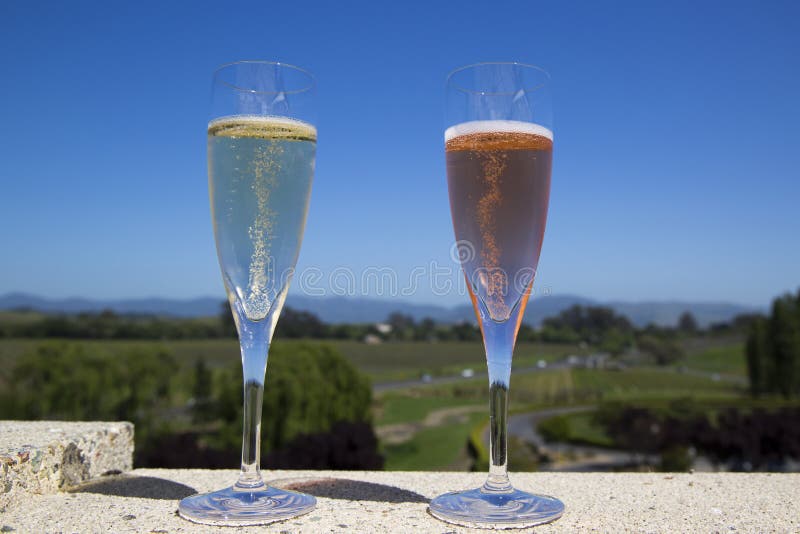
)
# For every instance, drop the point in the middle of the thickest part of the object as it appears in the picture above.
(365, 310)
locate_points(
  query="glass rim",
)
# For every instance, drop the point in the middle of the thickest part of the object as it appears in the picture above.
(309, 87)
(451, 82)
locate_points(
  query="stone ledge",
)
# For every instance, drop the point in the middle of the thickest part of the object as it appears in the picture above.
(39, 457)
(145, 500)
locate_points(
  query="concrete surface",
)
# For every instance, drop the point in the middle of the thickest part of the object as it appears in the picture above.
(44, 456)
(145, 500)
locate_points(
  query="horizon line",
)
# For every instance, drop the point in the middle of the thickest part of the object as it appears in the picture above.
(400, 300)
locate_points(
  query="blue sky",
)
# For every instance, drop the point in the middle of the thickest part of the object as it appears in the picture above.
(677, 149)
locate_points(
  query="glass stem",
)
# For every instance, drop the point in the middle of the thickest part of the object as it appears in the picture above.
(498, 340)
(254, 341)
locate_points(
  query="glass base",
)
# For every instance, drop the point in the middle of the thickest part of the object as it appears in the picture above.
(238, 506)
(479, 508)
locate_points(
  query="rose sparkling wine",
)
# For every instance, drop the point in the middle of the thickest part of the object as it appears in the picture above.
(498, 176)
(498, 149)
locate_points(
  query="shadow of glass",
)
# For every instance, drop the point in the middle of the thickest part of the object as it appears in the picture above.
(351, 490)
(135, 486)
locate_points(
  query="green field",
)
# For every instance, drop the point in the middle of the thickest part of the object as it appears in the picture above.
(579, 428)
(565, 387)
(438, 448)
(529, 391)
(403, 360)
(727, 358)
(645, 383)
(393, 361)
(393, 408)
(444, 445)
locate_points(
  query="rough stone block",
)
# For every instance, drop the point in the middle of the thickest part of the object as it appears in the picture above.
(46, 456)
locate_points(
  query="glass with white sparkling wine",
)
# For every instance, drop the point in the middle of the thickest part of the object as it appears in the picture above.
(261, 148)
(498, 149)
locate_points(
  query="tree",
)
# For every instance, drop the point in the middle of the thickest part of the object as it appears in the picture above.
(742, 322)
(425, 330)
(741, 439)
(71, 382)
(226, 321)
(614, 341)
(593, 324)
(299, 324)
(526, 333)
(758, 354)
(402, 325)
(201, 391)
(687, 323)
(466, 331)
(773, 349)
(400, 320)
(309, 388)
(785, 341)
(665, 351)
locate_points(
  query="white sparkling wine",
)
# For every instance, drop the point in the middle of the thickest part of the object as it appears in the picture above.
(260, 171)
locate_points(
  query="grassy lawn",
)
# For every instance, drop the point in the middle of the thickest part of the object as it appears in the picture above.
(725, 359)
(401, 360)
(584, 427)
(438, 448)
(643, 383)
(393, 408)
(542, 387)
(553, 387)
(575, 428)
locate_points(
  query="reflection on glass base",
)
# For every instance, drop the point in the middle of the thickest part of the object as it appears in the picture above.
(237, 506)
(480, 509)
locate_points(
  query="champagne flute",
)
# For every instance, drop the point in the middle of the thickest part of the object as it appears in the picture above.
(498, 147)
(261, 149)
